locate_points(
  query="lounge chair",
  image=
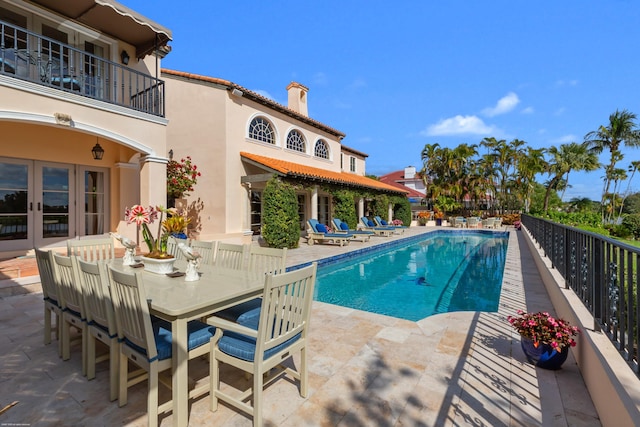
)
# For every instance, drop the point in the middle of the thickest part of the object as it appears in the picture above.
(369, 225)
(319, 233)
(382, 223)
(343, 227)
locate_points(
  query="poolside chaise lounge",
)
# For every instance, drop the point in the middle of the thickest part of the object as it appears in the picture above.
(369, 225)
(343, 227)
(319, 233)
(382, 223)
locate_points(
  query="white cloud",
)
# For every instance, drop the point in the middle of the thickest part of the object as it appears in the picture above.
(560, 111)
(528, 110)
(504, 105)
(565, 139)
(566, 83)
(459, 125)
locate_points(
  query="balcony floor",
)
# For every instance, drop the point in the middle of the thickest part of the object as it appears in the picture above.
(365, 369)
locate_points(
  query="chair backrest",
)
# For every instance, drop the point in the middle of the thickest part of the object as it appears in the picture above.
(267, 260)
(94, 280)
(91, 249)
(206, 249)
(44, 259)
(337, 223)
(230, 255)
(367, 222)
(472, 221)
(172, 246)
(313, 225)
(133, 320)
(286, 308)
(69, 286)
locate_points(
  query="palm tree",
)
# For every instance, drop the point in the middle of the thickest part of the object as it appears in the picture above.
(633, 167)
(529, 166)
(564, 159)
(621, 130)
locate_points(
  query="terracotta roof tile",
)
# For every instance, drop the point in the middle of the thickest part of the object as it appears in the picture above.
(302, 171)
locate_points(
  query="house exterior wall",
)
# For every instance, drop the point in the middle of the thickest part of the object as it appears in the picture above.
(210, 124)
(41, 123)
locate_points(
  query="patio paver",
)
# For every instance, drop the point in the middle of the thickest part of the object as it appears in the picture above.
(451, 369)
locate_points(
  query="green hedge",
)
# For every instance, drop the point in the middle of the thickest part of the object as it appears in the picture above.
(281, 223)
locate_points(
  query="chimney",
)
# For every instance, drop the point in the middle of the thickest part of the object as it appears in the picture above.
(298, 98)
(409, 172)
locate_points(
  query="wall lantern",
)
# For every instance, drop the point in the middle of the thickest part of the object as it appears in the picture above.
(97, 152)
(124, 57)
(171, 154)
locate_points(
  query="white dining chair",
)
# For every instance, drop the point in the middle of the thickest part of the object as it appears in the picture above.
(146, 341)
(267, 260)
(262, 343)
(206, 249)
(172, 246)
(93, 249)
(51, 296)
(73, 310)
(230, 255)
(101, 320)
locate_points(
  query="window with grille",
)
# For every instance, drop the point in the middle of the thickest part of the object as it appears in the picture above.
(352, 164)
(321, 149)
(261, 130)
(295, 141)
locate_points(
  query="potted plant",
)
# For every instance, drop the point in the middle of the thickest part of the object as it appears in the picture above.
(176, 223)
(438, 215)
(444, 204)
(545, 339)
(181, 177)
(423, 217)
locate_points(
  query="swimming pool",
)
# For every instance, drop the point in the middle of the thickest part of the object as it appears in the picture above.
(452, 270)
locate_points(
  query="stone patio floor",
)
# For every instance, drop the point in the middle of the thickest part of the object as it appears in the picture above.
(453, 369)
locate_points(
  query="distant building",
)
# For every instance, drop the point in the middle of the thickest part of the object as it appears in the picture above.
(408, 180)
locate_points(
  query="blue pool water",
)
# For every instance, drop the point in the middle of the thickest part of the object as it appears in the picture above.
(446, 271)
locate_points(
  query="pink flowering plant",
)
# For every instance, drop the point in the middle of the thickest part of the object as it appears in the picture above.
(396, 222)
(181, 177)
(143, 217)
(543, 328)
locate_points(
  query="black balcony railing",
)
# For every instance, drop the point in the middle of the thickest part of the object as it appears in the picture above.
(603, 272)
(47, 62)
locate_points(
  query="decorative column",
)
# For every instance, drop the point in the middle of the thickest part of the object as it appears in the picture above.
(314, 202)
(360, 208)
(390, 213)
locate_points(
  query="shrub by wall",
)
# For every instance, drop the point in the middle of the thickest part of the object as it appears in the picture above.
(281, 223)
(344, 207)
(401, 209)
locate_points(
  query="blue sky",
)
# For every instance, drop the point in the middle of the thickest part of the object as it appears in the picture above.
(396, 76)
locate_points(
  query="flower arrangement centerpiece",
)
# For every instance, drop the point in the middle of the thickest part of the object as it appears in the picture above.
(143, 217)
(545, 338)
(181, 177)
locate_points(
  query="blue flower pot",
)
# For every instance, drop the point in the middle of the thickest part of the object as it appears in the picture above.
(544, 356)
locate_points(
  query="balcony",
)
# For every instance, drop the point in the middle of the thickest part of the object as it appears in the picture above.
(37, 59)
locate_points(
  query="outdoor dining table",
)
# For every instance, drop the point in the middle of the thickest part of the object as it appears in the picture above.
(178, 301)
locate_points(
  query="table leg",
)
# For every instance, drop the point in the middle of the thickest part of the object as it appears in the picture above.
(180, 380)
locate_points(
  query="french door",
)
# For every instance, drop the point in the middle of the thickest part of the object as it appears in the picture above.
(46, 203)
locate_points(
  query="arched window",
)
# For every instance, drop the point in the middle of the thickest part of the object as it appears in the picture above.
(321, 149)
(261, 129)
(295, 141)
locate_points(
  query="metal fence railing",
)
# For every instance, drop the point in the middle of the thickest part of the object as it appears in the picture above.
(603, 272)
(32, 57)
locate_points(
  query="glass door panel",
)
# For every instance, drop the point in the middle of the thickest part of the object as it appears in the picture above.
(14, 213)
(256, 212)
(55, 201)
(94, 185)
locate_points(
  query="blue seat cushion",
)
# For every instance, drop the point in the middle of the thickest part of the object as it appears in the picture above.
(320, 228)
(383, 222)
(370, 223)
(344, 226)
(244, 347)
(199, 334)
(242, 312)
